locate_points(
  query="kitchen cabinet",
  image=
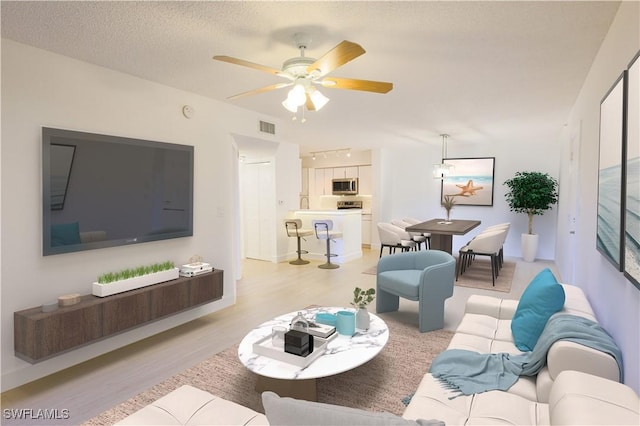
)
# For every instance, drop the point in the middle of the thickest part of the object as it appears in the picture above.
(345, 172)
(319, 180)
(366, 229)
(365, 180)
(319, 184)
(328, 186)
(305, 181)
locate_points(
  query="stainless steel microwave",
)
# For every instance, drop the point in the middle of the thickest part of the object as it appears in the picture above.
(347, 186)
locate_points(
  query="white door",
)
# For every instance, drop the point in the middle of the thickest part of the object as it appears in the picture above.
(257, 210)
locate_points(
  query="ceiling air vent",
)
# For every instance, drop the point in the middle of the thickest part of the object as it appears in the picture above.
(267, 127)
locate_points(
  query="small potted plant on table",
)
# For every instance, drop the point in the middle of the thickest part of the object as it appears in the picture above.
(361, 298)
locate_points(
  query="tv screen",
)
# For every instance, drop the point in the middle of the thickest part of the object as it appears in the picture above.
(104, 191)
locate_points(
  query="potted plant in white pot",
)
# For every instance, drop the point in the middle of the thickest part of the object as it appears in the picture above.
(361, 298)
(532, 193)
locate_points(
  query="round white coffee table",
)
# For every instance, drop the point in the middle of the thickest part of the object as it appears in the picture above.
(343, 353)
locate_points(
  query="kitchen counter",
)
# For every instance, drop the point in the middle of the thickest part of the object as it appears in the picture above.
(348, 221)
(332, 212)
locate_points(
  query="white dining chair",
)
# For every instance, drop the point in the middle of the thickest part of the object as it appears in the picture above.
(389, 237)
(415, 236)
(427, 235)
(486, 244)
(506, 226)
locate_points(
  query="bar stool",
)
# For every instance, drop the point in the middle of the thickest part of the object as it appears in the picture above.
(324, 231)
(294, 229)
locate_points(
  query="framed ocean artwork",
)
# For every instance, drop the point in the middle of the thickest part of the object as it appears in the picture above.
(471, 183)
(632, 176)
(609, 239)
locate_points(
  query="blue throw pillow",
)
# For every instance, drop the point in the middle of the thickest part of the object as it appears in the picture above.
(63, 234)
(543, 297)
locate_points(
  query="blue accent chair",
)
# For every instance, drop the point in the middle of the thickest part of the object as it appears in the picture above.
(424, 276)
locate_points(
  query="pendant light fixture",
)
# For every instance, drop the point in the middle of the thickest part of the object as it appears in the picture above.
(442, 170)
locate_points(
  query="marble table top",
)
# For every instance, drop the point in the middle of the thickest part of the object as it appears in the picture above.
(343, 353)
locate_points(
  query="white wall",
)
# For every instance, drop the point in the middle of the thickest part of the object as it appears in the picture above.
(409, 189)
(288, 185)
(616, 301)
(40, 88)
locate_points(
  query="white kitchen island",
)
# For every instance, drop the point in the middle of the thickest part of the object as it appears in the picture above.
(348, 221)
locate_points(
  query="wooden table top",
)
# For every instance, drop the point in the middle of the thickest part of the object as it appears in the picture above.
(438, 226)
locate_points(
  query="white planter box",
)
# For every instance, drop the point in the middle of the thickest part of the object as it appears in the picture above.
(102, 290)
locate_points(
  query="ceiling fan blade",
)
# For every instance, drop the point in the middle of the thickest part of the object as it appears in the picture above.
(309, 104)
(353, 84)
(260, 90)
(336, 57)
(244, 63)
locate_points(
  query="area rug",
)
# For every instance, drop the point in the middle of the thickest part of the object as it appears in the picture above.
(379, 385)
(478, 275)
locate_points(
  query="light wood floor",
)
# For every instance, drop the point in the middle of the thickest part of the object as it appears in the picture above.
(266, 290)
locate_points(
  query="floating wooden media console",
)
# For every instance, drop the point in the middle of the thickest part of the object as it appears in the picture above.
(40, 335)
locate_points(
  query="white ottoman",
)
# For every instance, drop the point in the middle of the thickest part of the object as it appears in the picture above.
(191, 406)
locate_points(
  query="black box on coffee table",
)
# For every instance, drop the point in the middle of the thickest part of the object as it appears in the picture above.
(298, 342)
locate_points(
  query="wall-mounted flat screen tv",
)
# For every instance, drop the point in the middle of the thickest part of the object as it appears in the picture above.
(104, 191)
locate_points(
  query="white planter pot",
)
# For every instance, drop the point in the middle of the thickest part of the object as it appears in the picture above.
(529, 247)
(102, 290)
(363, 320)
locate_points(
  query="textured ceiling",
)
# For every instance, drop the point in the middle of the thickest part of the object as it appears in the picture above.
(475, 70)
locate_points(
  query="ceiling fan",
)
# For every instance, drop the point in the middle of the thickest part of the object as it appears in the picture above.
(305, 73)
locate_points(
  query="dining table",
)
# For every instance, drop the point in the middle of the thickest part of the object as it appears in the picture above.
(442, 231)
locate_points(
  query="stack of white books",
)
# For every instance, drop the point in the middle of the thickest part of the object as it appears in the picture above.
(321, 330)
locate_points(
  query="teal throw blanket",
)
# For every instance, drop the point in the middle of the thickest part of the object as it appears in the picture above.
(468, 372)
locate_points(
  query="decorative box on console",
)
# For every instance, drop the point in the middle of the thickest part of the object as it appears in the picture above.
(195, 268)
(298, 343)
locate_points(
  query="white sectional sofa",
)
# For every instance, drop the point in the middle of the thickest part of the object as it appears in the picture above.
(589, 377)
(188, 405)
(578, 386)
(486, 328)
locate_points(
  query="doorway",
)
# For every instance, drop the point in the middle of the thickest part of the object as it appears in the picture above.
(255, 210)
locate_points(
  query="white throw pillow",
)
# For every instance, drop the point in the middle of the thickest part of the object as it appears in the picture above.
(295, 412)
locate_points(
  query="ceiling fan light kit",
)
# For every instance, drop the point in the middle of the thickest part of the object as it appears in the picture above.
(319, 100)
(304, 73)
